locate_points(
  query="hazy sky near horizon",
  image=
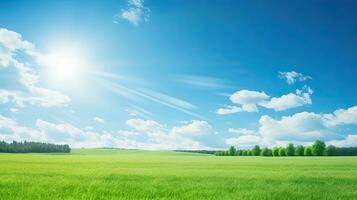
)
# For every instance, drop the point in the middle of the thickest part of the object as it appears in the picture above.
(178, 74)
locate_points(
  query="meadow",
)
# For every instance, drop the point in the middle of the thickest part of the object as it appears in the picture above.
(131, 174)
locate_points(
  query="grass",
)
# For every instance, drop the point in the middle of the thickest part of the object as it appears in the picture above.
(130, 174)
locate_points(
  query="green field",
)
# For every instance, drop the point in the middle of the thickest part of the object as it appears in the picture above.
(126, 174)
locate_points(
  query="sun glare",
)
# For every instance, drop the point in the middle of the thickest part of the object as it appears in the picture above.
(65, 66)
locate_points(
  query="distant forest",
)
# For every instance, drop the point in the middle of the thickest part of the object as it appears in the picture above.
(33, 147)
(318, 148)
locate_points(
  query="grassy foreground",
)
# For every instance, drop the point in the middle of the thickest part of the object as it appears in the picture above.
(124, 174)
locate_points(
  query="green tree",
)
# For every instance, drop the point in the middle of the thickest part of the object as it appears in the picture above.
(266, 152)
(249, 153)
(232, 151)
(307, 151)
(275, 151)
(299, 150)
(239, 153)
(330, 150)
(244, 152)
(318, 148)
(282, 151)
(290, 150)
(256, 150)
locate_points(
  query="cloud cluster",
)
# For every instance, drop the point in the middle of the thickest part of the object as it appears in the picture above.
(12, 44)
(293, 76)
(135, 13)
(302, 127)
(194, 134)
(248, 101)
(143, 134)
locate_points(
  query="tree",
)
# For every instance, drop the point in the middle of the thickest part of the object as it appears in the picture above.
(244, 152)
(307, 151)
(318, 148)
(249, 153)
(256, 150)
(239, 153)
(232, 151)
(282, 151)
(330, 150)
(299, 150)
(290, 150)
(275, 151)
(35, 147)
(266, 152)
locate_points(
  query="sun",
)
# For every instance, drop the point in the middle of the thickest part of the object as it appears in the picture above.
(65, 65)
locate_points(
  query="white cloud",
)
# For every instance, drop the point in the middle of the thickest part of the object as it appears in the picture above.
(191, 135)
(192, 129)
(135, 13)
(342, 116)
(11, 44)
(229, 110)
(249, 101)
(248, 97)
(98, 119)
(349, 141)
(300, 128)
(244, 141)
(146, 126)
(242, 131)
(292, 77)
(10, 131)
(290, 100)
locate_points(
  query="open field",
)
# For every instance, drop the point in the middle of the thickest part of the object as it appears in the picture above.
(129, 174)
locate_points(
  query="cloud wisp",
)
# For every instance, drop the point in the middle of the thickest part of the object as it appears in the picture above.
(157, 97)
(293, 76)
(142, 134)
(135, 13)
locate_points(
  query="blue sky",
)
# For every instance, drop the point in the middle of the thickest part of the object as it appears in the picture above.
(178, 74)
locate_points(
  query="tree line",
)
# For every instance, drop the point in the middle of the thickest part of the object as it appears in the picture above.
(318, 148)
(33, 147)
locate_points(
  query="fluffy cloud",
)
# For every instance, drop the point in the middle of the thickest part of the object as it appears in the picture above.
(11, 44)
(302, 127)
(10, 131)
(349, 141)
(249, 101)
(135, 13)
(192, 129)
(66, 133)
(248, 97)
(146, 126)
(292, 77)
(291, 100)
(229, 110)
(191, 135)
